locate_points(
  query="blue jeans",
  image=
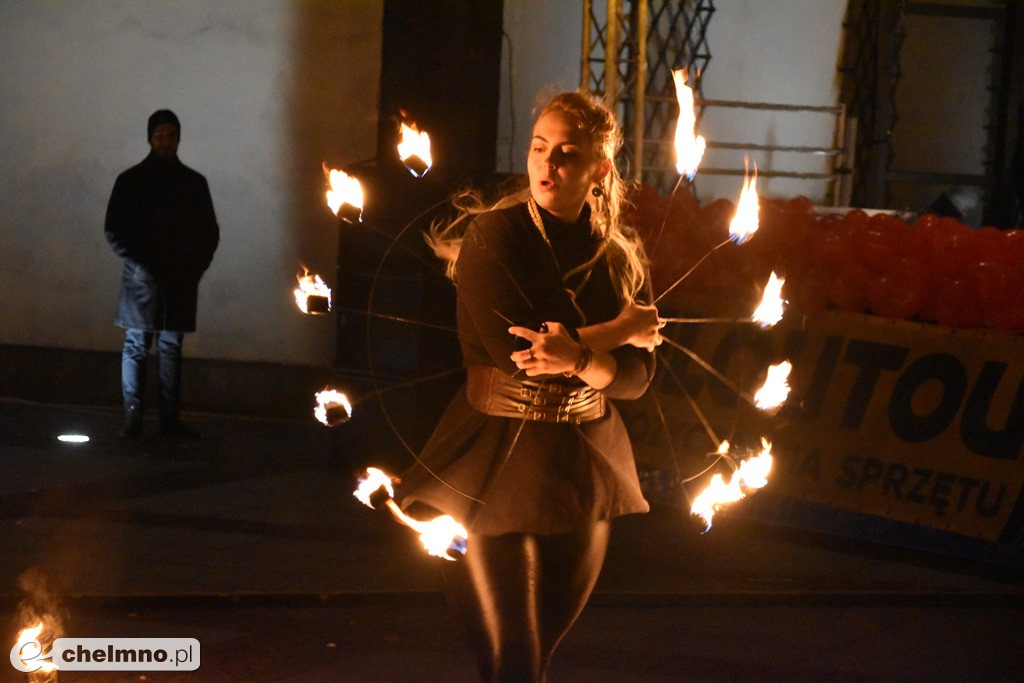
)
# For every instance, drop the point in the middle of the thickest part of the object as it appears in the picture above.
(133, 370)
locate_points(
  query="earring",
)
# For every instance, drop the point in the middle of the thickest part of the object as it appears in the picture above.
(597, 191)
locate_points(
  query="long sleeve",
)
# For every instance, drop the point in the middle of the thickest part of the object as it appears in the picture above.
(506, 275)
(120, 224)
(635, 367)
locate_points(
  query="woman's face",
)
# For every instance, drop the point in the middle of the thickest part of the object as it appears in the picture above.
(561, 165)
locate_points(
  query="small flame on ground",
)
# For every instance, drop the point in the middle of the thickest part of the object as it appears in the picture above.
(310, 285)
(689, 146)
(440, 536)
(749, 476)
(345, 189)
(330, 399)
(775, 389)
(414, 149)
(744, 223)
(770, 310)
(30, 649)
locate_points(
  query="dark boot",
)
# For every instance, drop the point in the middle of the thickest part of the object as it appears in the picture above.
(132, 427)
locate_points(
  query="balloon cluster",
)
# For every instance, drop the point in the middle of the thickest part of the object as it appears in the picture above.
(933, 269)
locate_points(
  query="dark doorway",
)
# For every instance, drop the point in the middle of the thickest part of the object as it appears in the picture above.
(441, 63)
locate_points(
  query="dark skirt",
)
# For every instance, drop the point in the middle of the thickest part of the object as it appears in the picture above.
(499, 475)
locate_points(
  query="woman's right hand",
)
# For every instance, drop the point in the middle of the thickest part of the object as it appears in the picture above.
(641, 325)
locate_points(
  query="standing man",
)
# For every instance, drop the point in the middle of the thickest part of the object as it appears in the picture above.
(160, 220)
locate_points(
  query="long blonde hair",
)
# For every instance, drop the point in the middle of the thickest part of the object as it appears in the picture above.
(621, 244)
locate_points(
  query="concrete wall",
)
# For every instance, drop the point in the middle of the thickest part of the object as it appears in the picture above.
(266, 91)
(541, 50)
(783, 51)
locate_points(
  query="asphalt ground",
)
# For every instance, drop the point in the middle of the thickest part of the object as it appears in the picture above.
(249, 540)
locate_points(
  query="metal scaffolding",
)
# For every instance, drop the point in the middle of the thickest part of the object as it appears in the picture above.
(630, 48)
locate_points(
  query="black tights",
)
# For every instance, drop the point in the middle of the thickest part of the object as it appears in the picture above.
(518, 594)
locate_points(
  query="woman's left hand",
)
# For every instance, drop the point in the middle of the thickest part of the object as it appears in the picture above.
(552, 350)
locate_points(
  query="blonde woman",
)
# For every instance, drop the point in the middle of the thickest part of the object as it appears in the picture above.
(531, 456)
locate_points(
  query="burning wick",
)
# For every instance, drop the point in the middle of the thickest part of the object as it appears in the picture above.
(689, 145)
(345, 198)
(744, 223)
(775, 389)
(312, 296)
(332, 407)
(440, 536)
(750, 476)
(769, 311)
(414, 150)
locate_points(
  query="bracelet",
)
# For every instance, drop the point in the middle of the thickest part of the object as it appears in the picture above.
(583, 363)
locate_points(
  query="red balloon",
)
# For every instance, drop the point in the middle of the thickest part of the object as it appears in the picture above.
(832, 250)
(1013, 244)
(989, 283)
(800, 206)
(848, 287)
(876, 242)
(809, 292)
(914, 242)
(952, 247)
(879, 290)
(955, 305)
(829, 223)
(988, 239)
(854, 219)
(892, 297)
(926, 222)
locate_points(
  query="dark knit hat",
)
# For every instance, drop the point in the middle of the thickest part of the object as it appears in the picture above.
(158, 117)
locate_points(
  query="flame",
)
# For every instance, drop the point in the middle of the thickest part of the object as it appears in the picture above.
(327, 399)
(749, 476)
(30, 650)
(369, 484)
(439, 536)
(345, 189)
(30, 633)
(775, 389)
(744, 223)
(769, 311)
(689, 145)
(414, 145)
(310, 285)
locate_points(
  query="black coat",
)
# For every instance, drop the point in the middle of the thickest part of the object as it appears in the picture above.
(160, 220)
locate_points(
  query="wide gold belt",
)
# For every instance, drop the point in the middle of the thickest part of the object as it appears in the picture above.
(494, 392)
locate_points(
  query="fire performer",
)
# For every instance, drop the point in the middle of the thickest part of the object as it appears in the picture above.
(160, 220)
(531, 456)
